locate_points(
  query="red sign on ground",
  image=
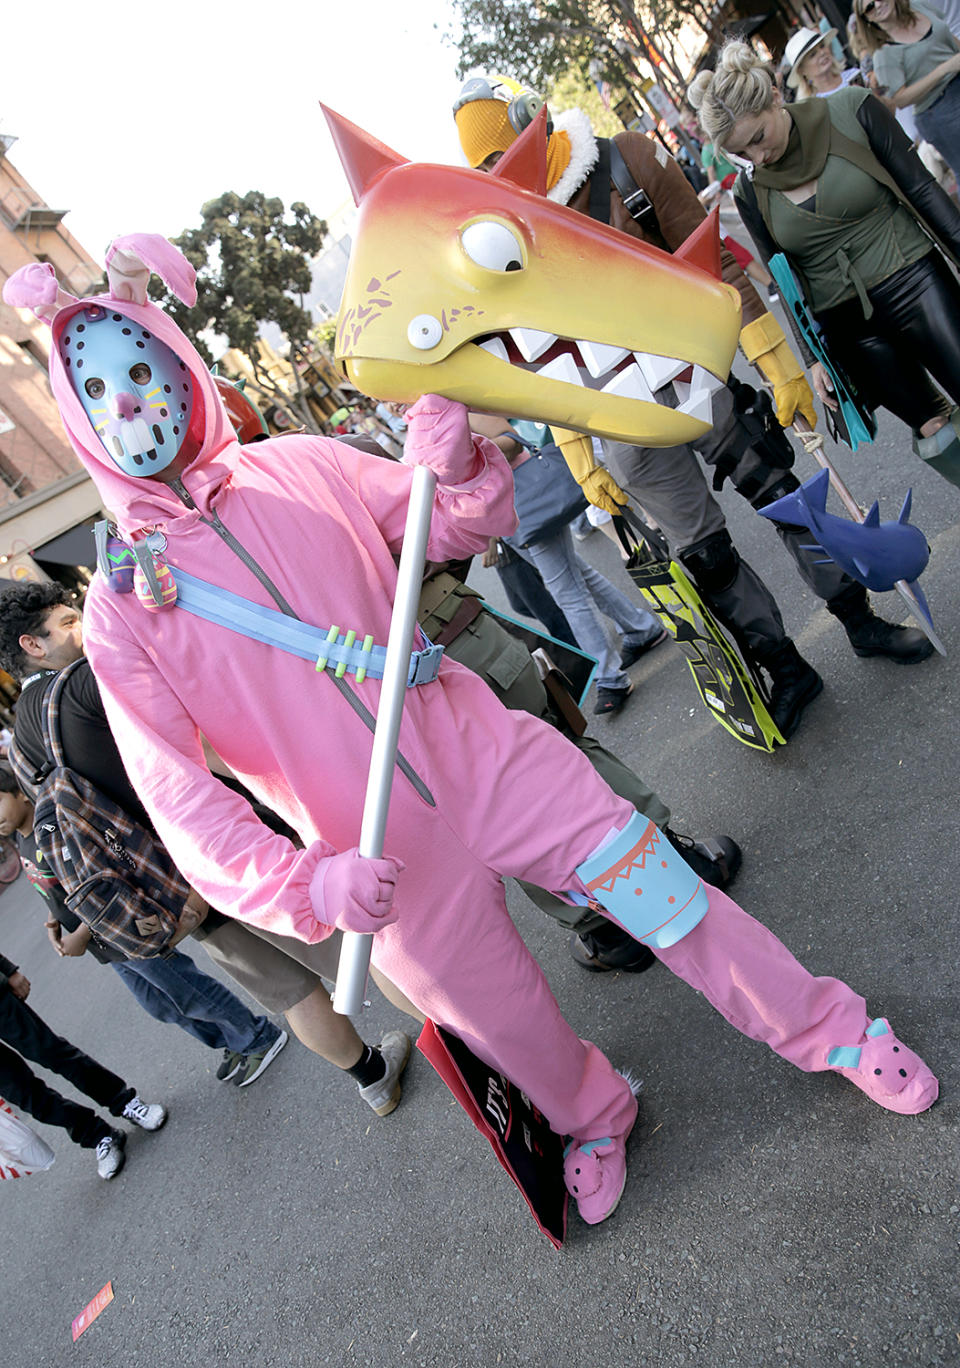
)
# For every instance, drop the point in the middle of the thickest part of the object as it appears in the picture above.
(92, 1310)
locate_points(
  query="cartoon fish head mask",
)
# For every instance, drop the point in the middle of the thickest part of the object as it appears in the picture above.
(135, 390)
(473, 286)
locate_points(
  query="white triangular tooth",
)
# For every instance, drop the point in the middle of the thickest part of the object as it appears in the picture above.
(600, 357)
(531, 342)
(684, 392)
(706, 380)
(629, 384)
(561, 368)
(496, 347)
(700, 406)
(659, 370)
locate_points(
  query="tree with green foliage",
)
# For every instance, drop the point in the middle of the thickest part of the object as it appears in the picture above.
(571, 91)
(540, 42)
(252, 259)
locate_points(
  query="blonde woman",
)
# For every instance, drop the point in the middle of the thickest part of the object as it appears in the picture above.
(811, 68)
(915, 58)
(837, 187)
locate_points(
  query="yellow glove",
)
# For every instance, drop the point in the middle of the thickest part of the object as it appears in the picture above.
(765, 346)
(597, 484)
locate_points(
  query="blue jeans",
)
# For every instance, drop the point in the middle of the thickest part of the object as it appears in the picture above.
(173, 989)
(577, 587)
(940, 125)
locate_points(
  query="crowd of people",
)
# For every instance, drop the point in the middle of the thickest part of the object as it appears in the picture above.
(305, 530)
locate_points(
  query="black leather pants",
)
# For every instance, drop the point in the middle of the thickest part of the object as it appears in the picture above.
(915, 328)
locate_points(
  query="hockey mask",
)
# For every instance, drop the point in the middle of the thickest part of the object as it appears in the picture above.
(135, 390)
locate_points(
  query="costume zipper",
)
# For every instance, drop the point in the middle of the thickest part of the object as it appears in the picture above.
(358, 706)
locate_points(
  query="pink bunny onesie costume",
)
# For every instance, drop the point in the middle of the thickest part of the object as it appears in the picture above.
(512, 797)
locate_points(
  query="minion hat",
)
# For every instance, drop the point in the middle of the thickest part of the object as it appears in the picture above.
(492, 111)
(801, 44)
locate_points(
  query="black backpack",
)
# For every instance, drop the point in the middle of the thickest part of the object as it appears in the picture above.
(114, 873)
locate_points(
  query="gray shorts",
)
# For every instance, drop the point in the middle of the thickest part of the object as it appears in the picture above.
(279, 971)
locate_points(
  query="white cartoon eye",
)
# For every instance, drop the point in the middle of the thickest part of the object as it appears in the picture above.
(424, 332)
(493, 245)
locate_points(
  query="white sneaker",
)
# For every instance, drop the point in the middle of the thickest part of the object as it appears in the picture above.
(149, 1116)
(110, 1155)
(384, 1095)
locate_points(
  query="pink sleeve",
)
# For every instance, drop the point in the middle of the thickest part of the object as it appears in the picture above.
(214, 837)
(465, 516)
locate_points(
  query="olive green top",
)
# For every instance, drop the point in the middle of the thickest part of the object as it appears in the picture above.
(858, 234)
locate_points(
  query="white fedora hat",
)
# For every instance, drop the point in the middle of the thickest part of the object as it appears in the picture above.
(800, 45)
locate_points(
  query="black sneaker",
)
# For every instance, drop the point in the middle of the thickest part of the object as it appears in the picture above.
(610, 701)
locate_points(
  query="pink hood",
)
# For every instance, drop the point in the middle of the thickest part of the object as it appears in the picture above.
(136, 502)
(133, 502)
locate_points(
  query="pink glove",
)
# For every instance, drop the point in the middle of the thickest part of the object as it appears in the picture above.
(439, 436)
(354, 893)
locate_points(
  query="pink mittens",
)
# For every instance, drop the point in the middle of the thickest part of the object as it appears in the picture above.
(439, 436)
(354, 893)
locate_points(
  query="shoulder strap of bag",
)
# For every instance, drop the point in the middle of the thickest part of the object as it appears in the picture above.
(636, 200)
(50, 715)
(599, 207)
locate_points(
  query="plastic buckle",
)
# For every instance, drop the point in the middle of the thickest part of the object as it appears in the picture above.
(424, 666)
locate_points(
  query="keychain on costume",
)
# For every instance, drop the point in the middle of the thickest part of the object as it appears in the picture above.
(153, 583)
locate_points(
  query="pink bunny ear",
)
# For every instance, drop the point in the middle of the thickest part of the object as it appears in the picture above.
(132, 259)
(35, 287)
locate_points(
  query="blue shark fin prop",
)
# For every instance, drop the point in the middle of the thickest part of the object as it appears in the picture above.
(878, 554)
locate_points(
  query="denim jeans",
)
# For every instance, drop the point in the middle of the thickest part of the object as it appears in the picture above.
(940, 125)
(577, 587)
(173, 989)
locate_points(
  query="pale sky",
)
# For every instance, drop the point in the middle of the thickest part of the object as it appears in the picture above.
(131, 116)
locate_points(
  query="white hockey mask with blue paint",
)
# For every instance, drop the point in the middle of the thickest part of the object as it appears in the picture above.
(136, 391)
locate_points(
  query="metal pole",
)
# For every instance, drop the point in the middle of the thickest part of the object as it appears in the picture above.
(355, 949)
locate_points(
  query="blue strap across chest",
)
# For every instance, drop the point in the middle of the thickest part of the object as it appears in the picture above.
(274, 628)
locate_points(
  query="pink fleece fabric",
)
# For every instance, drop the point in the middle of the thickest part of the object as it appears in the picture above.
(326, 522)
(513, 797)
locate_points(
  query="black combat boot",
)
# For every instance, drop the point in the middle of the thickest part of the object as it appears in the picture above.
(794, 684)
(716, 859)
(870, 635)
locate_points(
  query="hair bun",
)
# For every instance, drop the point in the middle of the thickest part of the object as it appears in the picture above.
(699, 88)
(739, 57)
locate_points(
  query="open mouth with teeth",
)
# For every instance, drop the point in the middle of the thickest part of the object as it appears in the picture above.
(608, 369)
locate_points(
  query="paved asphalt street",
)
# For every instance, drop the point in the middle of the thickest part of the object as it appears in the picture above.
(770, 1217)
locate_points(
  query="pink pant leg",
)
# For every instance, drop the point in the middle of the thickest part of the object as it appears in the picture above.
(753, 980)
(465, 965)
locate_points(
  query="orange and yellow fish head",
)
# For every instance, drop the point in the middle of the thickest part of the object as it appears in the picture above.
(476, 287)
